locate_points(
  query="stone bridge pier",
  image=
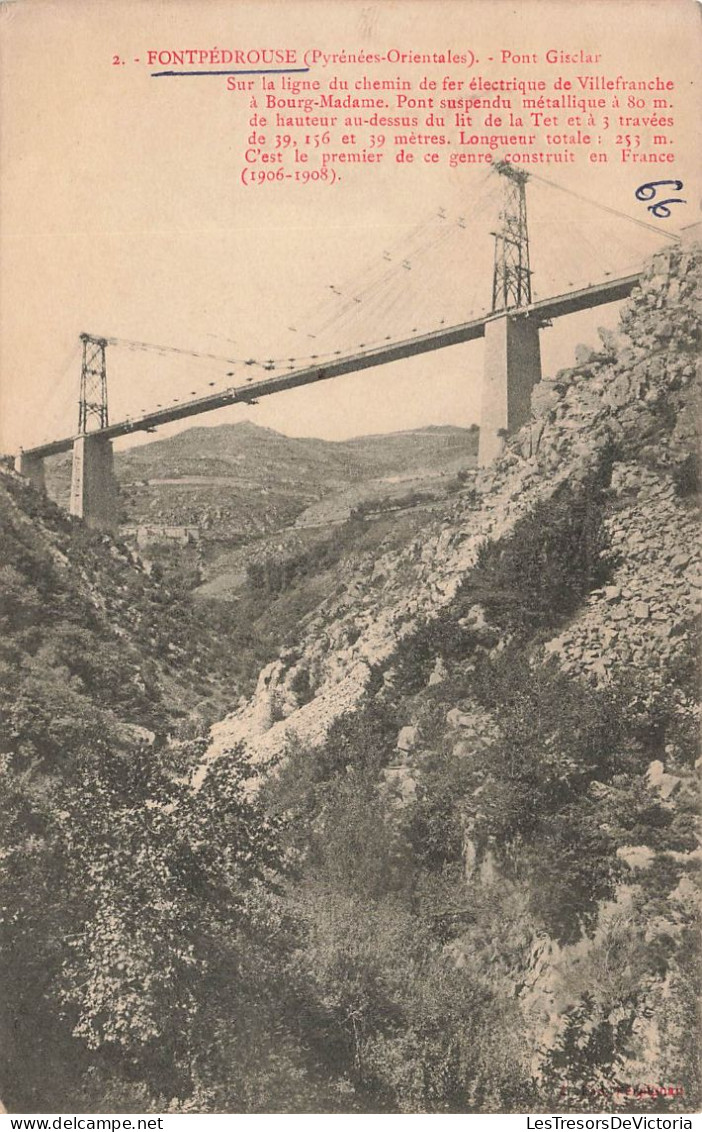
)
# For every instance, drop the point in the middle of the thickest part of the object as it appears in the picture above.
(512, 368)
(94, 494)
(32, 468)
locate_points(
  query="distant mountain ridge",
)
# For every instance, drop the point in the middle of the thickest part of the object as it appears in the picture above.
(260, 480)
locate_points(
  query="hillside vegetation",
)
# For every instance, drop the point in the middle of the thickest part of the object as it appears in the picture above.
(444, 857)
(239, 482)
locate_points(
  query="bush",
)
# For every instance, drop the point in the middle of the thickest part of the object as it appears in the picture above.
(441, 636)
(539, 575)
(686, 475)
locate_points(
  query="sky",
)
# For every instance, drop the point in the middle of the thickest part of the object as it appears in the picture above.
(122, 212)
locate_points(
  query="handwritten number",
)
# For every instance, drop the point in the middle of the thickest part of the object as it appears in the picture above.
(648, 191)
(660, 209)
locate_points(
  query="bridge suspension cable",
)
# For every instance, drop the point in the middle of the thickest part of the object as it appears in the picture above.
(589, 245)
(605, 207)
(373, 291)
(435, 275)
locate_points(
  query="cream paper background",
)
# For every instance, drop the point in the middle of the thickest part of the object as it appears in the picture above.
(122, 212)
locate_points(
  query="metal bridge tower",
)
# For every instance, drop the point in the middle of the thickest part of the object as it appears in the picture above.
(92, 404)
(512, 352)
(511, 282)
(94, 496)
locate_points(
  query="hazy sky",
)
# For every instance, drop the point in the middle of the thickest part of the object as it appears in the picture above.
(122, 212)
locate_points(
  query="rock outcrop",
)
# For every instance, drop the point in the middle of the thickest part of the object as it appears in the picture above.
(633, 403)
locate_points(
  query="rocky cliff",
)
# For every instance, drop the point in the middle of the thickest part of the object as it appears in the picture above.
(576, 758)
(632, 403)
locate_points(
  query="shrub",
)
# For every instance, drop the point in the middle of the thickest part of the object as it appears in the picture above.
(538, 576)
(442, 636)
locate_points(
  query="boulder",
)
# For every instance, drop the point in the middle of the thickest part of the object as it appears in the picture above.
(438, 673)
(665, 784)
(407, 738)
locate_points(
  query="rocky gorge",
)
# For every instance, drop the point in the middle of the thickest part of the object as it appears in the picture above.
(636, 397)
(624, 414)
(443, 854)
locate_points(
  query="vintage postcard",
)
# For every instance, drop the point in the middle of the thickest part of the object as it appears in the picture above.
(349, 572)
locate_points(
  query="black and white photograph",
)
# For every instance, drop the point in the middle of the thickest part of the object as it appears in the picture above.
(349, 560)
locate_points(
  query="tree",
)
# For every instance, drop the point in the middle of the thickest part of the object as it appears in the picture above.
(182, 887)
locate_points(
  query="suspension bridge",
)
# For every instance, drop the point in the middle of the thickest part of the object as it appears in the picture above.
(509, 322)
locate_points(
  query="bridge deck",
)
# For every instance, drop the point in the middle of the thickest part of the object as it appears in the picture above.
(583, 299)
